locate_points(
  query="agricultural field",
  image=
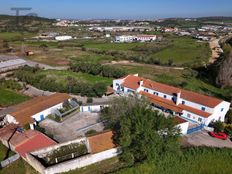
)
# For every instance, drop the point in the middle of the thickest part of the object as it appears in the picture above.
(61, 77)
(10, 97)
(172, 50)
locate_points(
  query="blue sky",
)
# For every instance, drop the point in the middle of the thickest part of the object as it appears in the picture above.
(123, 9)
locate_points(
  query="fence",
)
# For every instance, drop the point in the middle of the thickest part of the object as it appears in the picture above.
(9, 160)
(195, 129)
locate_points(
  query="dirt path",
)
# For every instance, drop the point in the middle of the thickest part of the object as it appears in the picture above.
(126, 62)
(216, 49)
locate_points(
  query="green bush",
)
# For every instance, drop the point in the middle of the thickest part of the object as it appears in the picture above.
(89, 100)
(218, 126)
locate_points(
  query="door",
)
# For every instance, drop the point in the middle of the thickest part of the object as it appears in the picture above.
(41, 117)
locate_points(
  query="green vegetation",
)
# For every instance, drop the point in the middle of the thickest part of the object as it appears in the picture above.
(142, 134)
(184, 51)
(64, 153)
(192, 161)
(97, 69)
(10, 97)
(64, 81)
(18, 167)
(4, 152)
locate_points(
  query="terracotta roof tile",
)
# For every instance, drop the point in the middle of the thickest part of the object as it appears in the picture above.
(179, 120)
(36, 142)
(195, 111)
(162, 102)
(101, 142)
(133, 82)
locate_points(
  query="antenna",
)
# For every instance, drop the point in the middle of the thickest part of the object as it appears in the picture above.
(18, 9)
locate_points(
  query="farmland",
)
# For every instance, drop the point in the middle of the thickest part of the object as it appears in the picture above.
(10, 97)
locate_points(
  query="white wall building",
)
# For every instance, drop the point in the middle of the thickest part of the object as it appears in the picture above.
(140, 38)
(63, 38)
(36, 110)
(189, 105)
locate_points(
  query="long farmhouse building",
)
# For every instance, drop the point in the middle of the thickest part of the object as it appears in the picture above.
(194, 107)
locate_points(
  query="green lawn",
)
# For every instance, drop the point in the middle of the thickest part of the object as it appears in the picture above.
(18, 167)
(9, 97)
(198, 161)
(184, 50)
(61, 76)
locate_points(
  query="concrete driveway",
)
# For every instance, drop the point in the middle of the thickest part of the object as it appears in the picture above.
(72, 127)
(202, 138)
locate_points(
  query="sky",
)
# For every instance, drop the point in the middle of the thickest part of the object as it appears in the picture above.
(120, 9)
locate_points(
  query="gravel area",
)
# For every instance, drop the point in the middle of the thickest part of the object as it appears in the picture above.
(72, 127)
(202, 138)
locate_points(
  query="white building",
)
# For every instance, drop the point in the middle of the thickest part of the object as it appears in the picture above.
(63, 38)
(194, 107)
(140, 38)
(124, 38)
(93, 107)
(36, 110)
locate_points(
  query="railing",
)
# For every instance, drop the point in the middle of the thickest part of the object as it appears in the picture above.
(195, 129)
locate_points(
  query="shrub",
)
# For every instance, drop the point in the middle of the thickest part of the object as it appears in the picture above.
(89, 100)
(90, 132)
(218, 126)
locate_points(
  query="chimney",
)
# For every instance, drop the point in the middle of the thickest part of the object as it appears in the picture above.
(141, 83)
(178, 98)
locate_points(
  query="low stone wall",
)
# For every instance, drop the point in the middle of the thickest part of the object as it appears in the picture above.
(9, 160)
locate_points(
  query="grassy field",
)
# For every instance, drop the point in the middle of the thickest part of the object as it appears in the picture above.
(181, 51)
(10, 97)
(61, 76)
(3, 152)
(198, 161)
(184, 50)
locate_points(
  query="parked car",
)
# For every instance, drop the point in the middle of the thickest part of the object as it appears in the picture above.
(219, 135)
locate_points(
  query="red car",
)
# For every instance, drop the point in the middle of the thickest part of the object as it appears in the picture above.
(219, 135)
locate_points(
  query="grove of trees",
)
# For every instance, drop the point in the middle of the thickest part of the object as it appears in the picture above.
(142, 133)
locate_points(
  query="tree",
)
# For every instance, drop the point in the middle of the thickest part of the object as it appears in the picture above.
(229, 117)
(143, 134)
(218, 126)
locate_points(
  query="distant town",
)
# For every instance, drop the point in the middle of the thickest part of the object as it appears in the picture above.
(115, 96)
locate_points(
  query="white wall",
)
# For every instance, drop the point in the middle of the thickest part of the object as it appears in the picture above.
(193, 117)
(82, 161)
(218, 114)
(183, 127)
(92, 108)
(47, 112)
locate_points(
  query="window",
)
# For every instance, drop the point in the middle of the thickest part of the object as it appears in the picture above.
(165, 96)
(117, 84)
(203, 108)
(200, 119)
(183, 102)
(189, 115)
(145, 90)
(222, 109)
(155, 93)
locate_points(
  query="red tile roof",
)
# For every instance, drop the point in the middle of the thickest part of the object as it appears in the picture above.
(195, 111)
(179, 120)
(101, 142)
(162, 102)
(26, 141)
(38, 141)
(133, 82)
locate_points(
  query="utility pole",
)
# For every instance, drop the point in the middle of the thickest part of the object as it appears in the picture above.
(18, 9)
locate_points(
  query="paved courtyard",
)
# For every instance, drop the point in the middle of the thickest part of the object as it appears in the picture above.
(202, 138)
(72, 127)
